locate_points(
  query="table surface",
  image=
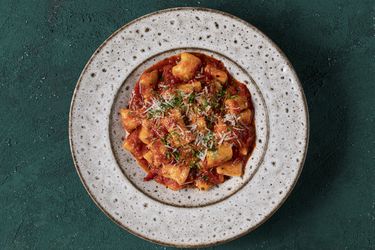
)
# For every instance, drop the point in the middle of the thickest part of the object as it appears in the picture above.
(44, 45)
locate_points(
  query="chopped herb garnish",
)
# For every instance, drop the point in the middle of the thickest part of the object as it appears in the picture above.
(164, 140)
(221, 93)
(232, 96)
(196, 153)
(194, 165)
(176, 155)
(168, 155)
(191, 97)
(176, 101)
(174, 134)
(209, 140)
(205, 103)
(215, 103)
(210, 120)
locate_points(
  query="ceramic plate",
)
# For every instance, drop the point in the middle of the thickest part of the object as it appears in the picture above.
(188, 218)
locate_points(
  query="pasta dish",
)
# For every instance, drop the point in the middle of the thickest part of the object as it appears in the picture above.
(189, 123)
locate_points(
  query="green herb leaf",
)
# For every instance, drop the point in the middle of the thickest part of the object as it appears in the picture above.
(191, 97)
(232, 96)
(195, 153)
(194, 165)
(164, 140)
(209, 140)
(205, 103)
(176, 155)
(168, 155)
(221, 93)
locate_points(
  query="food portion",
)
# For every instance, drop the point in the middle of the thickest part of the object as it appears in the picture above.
(189, 123)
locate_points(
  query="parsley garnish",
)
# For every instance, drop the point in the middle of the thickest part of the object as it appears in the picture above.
(168, 155)
(215, 103)
(196, 153)
(209, 140)
(194, 165)
(164, 140)
(176, 155)
(221, 93)
(191, 97)
(210, 121)
(232, 96)
(205, 103)
(176, 101)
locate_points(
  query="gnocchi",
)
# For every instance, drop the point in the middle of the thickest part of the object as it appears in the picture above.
(222, 154)
(130, 120)
(236, 104)
(233, 168)
(186, 68)
(217, 74)
(190, 123)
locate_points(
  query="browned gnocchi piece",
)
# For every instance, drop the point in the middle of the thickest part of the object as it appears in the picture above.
(217, 74)
(149, 157)
(145, 134)
(246, 117)
(173, 120)
(133, 144)
(149, 79)
(188, 88)
(203, 185)
(187, 67)
(236, 104)
(130, 119)
(176, 173)
(159, 151)
(220, 127)
(223, 154)
(201, 123)
(147, 83)
(232, 168)
(179, 138)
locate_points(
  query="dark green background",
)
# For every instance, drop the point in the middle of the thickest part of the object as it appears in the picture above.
(44, 45)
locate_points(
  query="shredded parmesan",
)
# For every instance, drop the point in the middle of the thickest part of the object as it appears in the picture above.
(192, 127)
(178, 126)
(202, 154)
(231, 118)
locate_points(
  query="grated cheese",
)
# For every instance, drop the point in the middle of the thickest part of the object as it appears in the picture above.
(231, 118)
(202, 155)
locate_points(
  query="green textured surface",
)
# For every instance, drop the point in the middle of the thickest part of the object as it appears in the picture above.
(44, 45)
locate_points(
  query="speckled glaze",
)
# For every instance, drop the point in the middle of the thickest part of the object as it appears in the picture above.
(188, 218)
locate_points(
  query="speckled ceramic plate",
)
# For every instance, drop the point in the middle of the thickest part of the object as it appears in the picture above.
(188, 218)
